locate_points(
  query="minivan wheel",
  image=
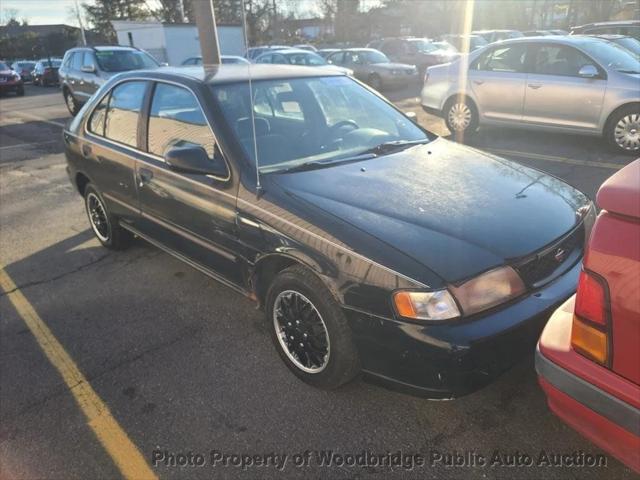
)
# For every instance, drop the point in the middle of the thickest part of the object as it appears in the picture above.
(104, 225)
(72, 104)
(461, 117)
(623, 130)
(309, 329)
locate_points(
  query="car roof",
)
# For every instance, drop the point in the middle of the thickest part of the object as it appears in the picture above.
(560, 39)
(232, 73)
(612, 23)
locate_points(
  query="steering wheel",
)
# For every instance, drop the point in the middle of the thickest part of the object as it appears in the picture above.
(335, 128)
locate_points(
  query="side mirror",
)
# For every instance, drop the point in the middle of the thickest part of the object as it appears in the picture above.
(588, 71)
(194, 159)
(412, 116)
(164, 64)
(88, 68)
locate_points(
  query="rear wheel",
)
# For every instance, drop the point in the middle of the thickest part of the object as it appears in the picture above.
(461, 117)
(309, 329)
(623, 130)
(104, 225)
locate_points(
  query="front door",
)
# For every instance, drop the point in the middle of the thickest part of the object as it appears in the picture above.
(497, 79)
(191, 214)
(556, 95)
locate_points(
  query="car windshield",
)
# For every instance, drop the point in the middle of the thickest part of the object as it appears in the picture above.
(376, 57)
(26, 64)
(612, 55)
(446, 46)
(4, 66)
(423, 46)
(318, 120)
(123, 60)
(305, 58)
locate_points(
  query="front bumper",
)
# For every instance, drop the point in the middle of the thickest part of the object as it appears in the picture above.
(603, 413)
(13, 86)
(452, 359)
(404, 79)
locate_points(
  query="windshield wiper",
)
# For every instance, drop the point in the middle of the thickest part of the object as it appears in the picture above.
(393, 146)
(315, 164)
(629, 71)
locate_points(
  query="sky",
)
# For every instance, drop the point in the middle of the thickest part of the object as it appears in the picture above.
(39, 12)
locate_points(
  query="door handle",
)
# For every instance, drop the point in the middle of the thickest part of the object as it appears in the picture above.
(535, 86)
(86, 150)
(478, 82)
(144, 176)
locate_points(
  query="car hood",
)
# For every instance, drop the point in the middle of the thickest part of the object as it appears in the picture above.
(455, 210)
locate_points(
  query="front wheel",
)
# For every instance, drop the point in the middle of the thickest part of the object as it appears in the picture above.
(623, 130)
(309, 329)
(70, 101)
(461, 117)
(104, 225)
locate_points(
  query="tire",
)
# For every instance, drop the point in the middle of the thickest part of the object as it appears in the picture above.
(20, 91)
(461, 117)
(375, 82)
(70, 101)
(320, 318)
(622, 131)
(104, 225)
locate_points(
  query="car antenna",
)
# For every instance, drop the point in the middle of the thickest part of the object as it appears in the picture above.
(259, 190)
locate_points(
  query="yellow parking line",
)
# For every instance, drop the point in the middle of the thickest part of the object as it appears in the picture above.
(113, 438)
(551, 158)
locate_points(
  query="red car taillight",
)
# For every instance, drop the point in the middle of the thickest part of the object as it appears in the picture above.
(589, 332)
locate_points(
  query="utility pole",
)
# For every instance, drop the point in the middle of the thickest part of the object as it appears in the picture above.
(84, 37)
(181, 10)
(206, 23)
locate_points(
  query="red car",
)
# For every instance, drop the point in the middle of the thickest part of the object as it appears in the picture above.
(588, 357)
(10, 81)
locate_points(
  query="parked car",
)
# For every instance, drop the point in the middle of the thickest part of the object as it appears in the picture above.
(465, 43)
(496, 35)
(85, 69)
(10, 80)
(537, 33)
(630, 43)
(556, 31)
(45, 72)
(588, 360)
(373, 67)
(629, 28)
(293, 56)
(325, 52)
(25, 69)
(225, 59)
(371, 244)
(306, 46)
(420, 52)
(573, 84)
(255, 52)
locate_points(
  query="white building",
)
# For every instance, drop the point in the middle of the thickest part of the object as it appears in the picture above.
(175, 42)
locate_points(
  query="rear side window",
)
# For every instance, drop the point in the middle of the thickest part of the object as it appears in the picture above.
(123, 111)
(176, 120)
(509, 58)
(68, 60)
(96, 121)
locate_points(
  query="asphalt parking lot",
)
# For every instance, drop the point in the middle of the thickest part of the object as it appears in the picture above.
(177, 364)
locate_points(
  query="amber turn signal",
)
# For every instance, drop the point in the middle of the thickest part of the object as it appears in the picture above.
(589, 340)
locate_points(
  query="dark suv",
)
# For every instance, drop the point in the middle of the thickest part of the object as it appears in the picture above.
(85, 69)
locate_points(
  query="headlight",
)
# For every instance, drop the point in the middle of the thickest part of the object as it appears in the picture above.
(488, 290)
(438, 305)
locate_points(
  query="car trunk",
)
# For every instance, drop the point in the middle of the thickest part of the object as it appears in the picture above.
(615, 243)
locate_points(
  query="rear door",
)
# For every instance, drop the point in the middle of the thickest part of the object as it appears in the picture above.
(556, 95)
(191, 214)
(113, 130)
(497, 79)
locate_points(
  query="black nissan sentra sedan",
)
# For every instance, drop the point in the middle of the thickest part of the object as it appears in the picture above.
(372, 245)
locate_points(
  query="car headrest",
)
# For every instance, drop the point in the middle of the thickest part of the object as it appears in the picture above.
(244, 127)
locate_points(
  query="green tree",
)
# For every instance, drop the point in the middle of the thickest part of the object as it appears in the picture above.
(102, 12)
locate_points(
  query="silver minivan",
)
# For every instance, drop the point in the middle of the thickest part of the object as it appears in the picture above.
(575, 84)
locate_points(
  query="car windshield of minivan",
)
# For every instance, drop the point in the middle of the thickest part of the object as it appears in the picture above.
(313, 122)
(124, 60)
(612, 56)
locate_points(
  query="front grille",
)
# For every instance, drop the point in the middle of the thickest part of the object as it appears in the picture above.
(541, 267)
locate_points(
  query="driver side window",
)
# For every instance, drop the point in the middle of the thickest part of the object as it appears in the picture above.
(559, 60)
(508, 58)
